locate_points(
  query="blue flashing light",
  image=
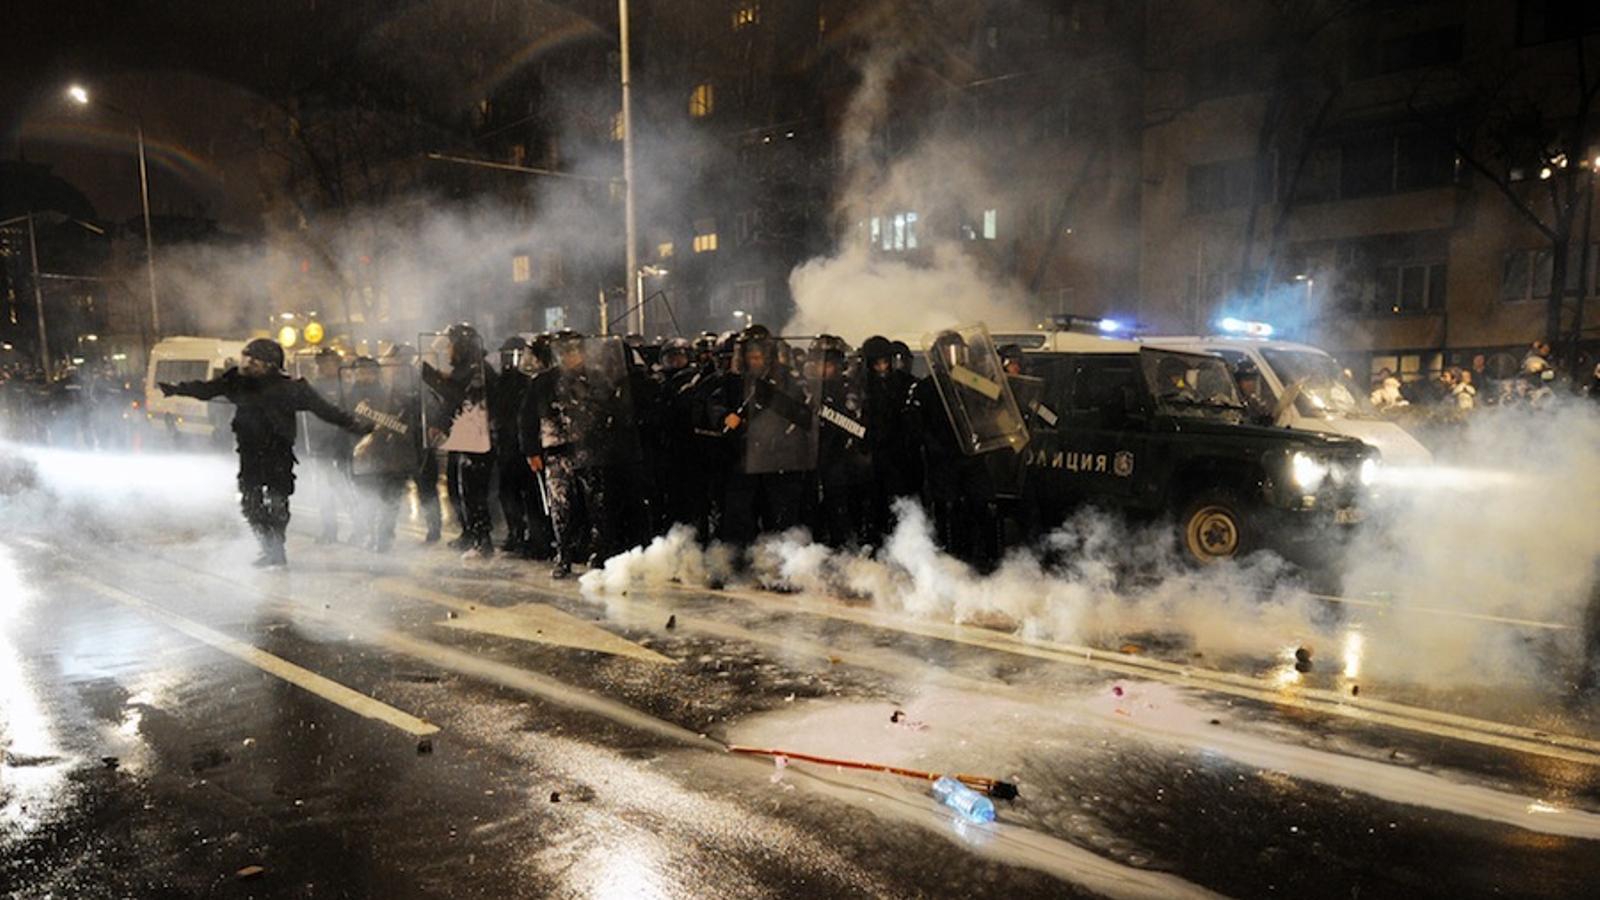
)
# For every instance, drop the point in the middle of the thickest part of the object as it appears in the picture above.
(1249, 329)
(1110, 326)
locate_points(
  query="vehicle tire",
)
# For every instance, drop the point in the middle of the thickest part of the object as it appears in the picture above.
(1215, 526)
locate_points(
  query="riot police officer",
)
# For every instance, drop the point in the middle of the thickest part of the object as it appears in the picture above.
(464, 394)
(426, 474)
(519, 492)
(844, 459)
(891, 434)
(774, 425)
(266, 401)
(329, 448)
(958, 487)
(577, 434)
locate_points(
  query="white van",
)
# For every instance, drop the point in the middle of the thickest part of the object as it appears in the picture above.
(1321, 397)
(189, 359)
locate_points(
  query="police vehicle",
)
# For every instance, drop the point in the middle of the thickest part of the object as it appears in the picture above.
(1302, 387)
(185, 419)
(1156, 432)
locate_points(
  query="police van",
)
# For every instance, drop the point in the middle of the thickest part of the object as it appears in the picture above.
(1302, 387)
(185, 420)
(1162, 432)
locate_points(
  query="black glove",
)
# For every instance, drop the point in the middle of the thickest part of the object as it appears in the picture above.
(167, 390)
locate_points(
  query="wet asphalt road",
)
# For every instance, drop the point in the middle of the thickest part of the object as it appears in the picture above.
(176, 724)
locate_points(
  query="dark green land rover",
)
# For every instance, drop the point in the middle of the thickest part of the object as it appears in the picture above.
(1159, 433)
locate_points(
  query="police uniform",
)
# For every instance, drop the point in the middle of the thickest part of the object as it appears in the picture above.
(264, 429)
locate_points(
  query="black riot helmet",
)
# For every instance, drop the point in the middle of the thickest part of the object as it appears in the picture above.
(266, 350)
(705, 344)
(466, 345)
(512, 351)
(829, 354)
(567, 343)
(540, 357)
(756, 343)
(902, 356)
(366, 370)
(950, 348)
(876, 347)
(676, 353)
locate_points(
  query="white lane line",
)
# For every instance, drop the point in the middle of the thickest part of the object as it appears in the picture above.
(533, 622)
(1440, 611)
(323, 687)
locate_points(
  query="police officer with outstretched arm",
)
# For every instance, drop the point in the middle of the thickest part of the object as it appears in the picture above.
(264, 429)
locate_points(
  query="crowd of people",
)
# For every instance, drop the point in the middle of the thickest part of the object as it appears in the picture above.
(82, 407)
(590, 445)
(1537, 381)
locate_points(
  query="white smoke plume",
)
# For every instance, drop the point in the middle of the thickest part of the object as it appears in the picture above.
(857, 291)
(1479, 572)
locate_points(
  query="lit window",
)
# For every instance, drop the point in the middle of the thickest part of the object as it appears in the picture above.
(875, 231)
(555, 318)
(745, 15)
(618, 128)
(664, 250)
(991, 220)
(521, 269)
(702, 100)
(898, 232)
(705, 235)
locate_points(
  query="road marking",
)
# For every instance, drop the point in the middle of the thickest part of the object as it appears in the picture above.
(323, 687)
(534, 622)
(1439, 611)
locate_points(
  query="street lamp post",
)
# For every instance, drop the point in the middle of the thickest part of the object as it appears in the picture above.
(635, 283)
(80, 96)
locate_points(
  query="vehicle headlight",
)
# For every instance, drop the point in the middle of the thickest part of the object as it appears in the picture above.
(1369, 471)
(1307, 471)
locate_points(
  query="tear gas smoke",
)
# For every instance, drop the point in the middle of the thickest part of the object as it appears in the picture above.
(78, 495)
(856, 292)
(1523, 547)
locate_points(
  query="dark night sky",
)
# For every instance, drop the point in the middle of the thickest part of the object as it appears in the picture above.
(196, 70)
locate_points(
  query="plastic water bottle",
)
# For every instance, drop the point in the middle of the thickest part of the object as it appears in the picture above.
(972, 805)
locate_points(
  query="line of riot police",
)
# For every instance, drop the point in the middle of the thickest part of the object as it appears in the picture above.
(592, 444)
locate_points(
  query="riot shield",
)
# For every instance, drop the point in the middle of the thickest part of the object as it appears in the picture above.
(317, 439)
(778, 415)
(386, 397)
(976, 392)
(455, 405)
(588, 409)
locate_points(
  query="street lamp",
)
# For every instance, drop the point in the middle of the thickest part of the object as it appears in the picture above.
(78, 94)
(748, 318)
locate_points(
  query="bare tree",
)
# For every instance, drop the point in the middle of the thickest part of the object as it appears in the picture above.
(1532, 135)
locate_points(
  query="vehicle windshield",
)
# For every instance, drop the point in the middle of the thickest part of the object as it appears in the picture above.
(1320, 387)
(1188, 384)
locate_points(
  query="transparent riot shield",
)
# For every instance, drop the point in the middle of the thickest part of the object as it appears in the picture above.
(778, 413)
(385, 395)
(455, 403)
(318, 439)
(587, 410)
(976, 392)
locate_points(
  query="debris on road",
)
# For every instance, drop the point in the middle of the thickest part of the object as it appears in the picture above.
(1302, 660)
(672, 622)
(250, 872)
(424, 746)
(1000, 790)
(973, 806)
